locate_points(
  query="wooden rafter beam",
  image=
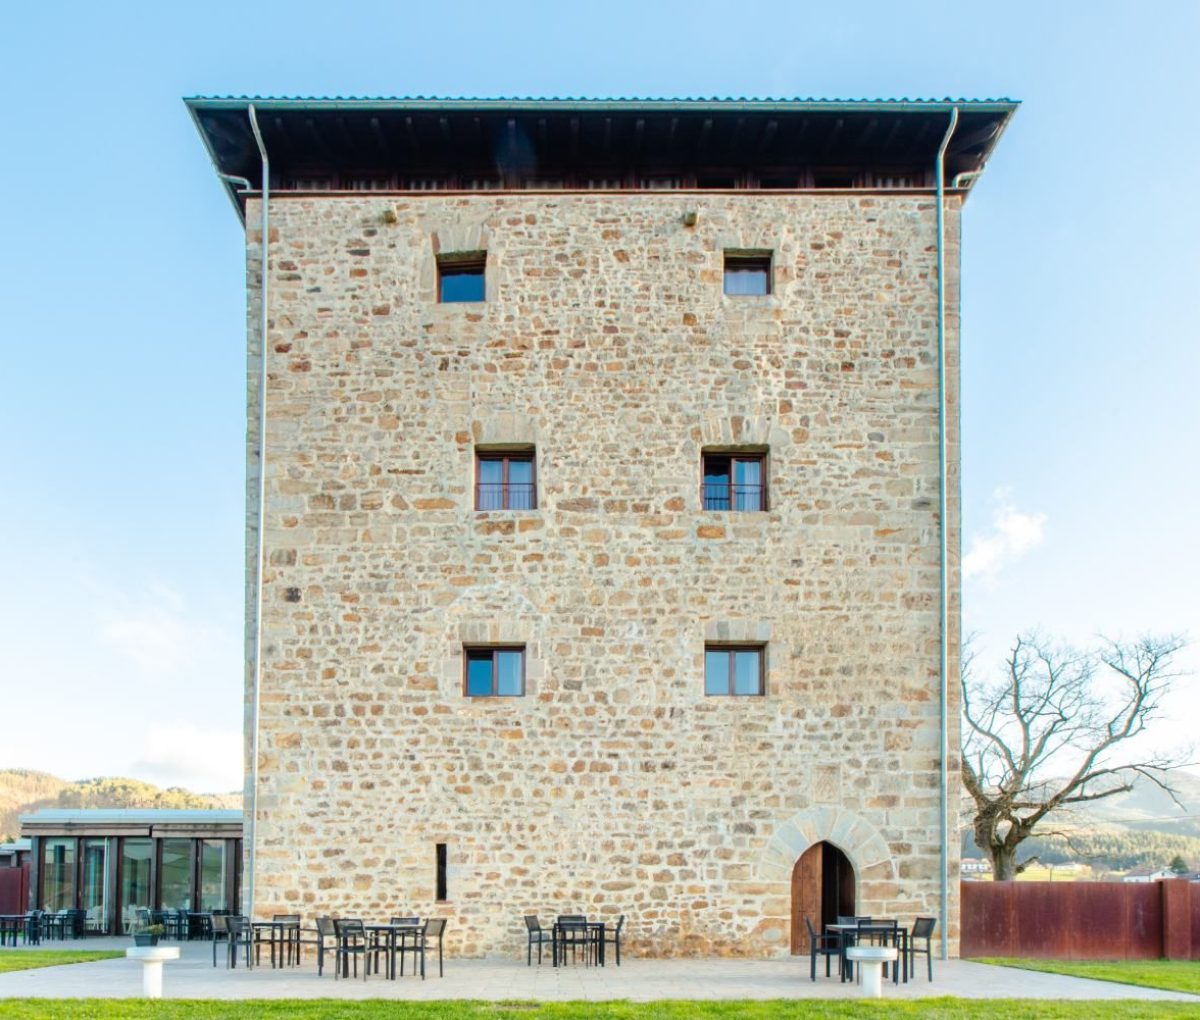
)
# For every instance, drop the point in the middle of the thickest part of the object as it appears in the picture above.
(768, 135)
(833, 136)
(380, 138)
(315, 134)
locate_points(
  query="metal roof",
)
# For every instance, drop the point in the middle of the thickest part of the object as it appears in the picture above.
(513, 140)
(615, 103)
(132, 816)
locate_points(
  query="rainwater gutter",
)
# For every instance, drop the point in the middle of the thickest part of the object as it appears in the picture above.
(260, 524)
(943, 548)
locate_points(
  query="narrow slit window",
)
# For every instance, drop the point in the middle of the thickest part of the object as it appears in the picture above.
(441, 873)
(747, 274)
(461, 277)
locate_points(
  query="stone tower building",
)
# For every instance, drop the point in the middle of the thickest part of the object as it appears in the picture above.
(602, 561)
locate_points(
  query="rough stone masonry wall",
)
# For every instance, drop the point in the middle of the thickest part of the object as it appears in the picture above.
(614, 785)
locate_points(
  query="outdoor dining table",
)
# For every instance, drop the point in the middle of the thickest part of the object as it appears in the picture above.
(594, 935)
(12, 925)
(876, 929)
(392, 938)
(199, 925)
(284, 933)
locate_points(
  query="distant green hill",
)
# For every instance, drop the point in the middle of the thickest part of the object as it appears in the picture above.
(1143, 827)
(23, 791)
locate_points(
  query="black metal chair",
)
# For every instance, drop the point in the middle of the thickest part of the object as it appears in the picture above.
(434, 928)
(324, 938)
(538, 936)
(612, 936)
(220, 933)
(572, 933)
(922, 929)
(286, 927)
(239, 932)
(351, 944)
(828, 946)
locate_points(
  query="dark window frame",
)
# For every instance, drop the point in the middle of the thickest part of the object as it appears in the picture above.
(742, 262)
(524, 455)
(731, 650)
(472, 263)
(478, 653)
(731, 498)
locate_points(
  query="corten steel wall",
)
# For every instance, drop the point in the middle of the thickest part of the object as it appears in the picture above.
(614, 785)
(1081, 920)
(14, 890)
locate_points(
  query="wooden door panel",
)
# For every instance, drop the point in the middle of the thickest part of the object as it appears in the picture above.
(806, 896)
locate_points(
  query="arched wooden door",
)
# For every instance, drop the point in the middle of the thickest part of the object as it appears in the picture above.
(822, 888)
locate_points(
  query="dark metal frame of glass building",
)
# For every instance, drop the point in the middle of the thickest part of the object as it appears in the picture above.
(109, 863)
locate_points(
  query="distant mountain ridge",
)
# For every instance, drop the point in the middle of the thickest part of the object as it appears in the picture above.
(1142, 827)
(23, 791)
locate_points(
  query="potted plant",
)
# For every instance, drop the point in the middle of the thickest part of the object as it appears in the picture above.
(146, 934)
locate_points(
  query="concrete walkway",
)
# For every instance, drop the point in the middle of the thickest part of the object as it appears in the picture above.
(194, 977)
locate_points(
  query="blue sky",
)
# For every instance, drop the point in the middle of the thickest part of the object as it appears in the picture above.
(121, 280)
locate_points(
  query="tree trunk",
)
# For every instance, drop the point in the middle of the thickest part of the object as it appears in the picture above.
(1004, 863)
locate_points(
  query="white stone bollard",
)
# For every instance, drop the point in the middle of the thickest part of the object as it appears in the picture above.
(151, 959)
(870, 961)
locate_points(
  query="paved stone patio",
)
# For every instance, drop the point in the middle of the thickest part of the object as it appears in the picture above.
(194, 977)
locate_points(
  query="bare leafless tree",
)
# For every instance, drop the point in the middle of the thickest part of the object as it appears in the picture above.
(1058, 729)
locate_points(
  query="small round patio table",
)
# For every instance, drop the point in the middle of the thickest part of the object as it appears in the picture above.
(870, 960)
(151, 958)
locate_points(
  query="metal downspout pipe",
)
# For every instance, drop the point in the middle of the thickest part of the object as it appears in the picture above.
(260, 524)
(943, 546)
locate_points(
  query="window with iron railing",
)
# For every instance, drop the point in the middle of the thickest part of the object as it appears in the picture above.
(733, 481)
(506, 481)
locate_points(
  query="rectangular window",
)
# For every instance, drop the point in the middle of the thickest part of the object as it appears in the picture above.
(506, 481)
(736, 670)
(461, 277)
(734, 481)
(175, 874)
(441, 873)
(58, 874)
(494, 672)
(747, 274)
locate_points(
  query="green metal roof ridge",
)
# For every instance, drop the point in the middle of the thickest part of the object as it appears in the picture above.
(568, 103)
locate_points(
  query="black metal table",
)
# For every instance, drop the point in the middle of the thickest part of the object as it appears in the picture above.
(394, 937)
(13, 925)
(284, 934)
(848, 935)
(593, 935)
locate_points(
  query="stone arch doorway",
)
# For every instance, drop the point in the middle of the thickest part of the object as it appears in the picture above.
(822, 888)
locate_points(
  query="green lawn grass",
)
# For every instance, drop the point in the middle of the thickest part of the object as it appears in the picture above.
(795, 1009)
(27, 959)
(1171, 975)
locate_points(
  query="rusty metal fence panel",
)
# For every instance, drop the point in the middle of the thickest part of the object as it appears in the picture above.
(14, 890)
(1064, 920)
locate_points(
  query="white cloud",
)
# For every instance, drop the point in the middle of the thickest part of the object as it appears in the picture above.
(1012, 534)
(155, 630)
(181, 754)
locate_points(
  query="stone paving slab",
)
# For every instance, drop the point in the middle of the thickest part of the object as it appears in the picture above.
(193, 977)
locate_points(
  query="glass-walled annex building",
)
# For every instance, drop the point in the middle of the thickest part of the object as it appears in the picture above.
(110, 862)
